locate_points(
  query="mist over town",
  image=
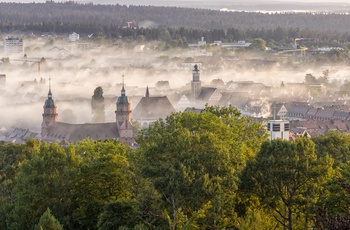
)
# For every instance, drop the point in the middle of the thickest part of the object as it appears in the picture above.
(174, 115)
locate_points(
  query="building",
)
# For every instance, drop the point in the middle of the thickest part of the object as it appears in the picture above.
(200, 96)
(150, 109)
(278, 129)
(13, 45)
(121, 129)
(73, 37)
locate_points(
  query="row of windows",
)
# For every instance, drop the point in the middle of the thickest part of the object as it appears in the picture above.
(277, 127)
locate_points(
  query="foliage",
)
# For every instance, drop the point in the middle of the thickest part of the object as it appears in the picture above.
(98, 106)
(335, 144)
(118, 213)
(48, 222)
(258, 44)
(45, 181)
(286, 177)
(11, 158)
(98, 93)
(332, 209)
(193, 160)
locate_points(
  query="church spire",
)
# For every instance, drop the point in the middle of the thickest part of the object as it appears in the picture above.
(123, 99)
(123, 89)
(49, 94)
(49, 103)
(147, 92)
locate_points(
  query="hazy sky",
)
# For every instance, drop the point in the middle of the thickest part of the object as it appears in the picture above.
(147, 2)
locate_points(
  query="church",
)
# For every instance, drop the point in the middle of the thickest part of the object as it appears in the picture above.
(121, 129)
(200, 96)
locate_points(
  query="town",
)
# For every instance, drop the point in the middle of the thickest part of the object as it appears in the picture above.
(227, 115)
(267, 85)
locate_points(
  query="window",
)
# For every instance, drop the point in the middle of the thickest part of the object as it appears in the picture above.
(286, 127)
(276, 127)
(268, 126)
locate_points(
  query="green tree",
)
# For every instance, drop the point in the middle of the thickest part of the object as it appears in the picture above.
(12, 157)
(335, 144)
(103, 178)
(310, 79)
(193, 161)
(332, 209)
(98, 106)
(287, 178)
(48, 222)
(119, 213)
(46, 180)
(258, 44)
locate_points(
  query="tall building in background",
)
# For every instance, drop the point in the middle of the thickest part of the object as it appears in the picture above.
(13, 45)
(278, 129)
(195, 85)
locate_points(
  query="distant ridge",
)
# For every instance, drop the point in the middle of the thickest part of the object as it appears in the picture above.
(119, 15)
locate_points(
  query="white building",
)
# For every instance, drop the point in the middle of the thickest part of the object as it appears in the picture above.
(73, 37)
(13, 45)
(278, 129)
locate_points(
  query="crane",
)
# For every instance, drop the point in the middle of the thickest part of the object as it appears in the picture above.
(34, 60)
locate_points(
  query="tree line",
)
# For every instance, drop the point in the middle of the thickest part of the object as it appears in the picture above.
(184, 24)
(212, 170)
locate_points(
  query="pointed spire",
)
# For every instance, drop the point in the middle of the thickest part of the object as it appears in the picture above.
(50, 94)
(123, 89)
(147, 92)
(49, 103)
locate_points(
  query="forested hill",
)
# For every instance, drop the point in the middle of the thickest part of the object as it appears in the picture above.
(118, 15)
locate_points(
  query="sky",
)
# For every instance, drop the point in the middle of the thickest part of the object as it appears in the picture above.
(147, 2)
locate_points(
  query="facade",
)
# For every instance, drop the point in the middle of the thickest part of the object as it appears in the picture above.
(13, 45)
(278, 129)
(121, 129)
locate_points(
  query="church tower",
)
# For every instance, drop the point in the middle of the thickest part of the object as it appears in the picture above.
(50, 114)
(123, 115)
(195, 85)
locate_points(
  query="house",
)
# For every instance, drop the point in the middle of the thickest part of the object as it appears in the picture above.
(150, 109)
(297, 111)
(163, 85)
(217, 83)
(278, 111)
(340, 115)
(209, 96)
(179, 101)
(324, 114)
(200, 96)
(17, 135)
(73, 37)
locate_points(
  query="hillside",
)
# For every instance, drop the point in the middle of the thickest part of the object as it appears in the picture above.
(118, 15)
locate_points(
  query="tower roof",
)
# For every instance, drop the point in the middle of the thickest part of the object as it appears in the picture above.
(147, 92)
(123, 99)
(49, 103)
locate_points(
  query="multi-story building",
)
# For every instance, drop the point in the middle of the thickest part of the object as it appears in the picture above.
(13, 45)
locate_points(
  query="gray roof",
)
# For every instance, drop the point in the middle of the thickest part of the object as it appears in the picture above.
(153, 108)
(76, 132)
(342, 115)
(297, 109)
(206, 93)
